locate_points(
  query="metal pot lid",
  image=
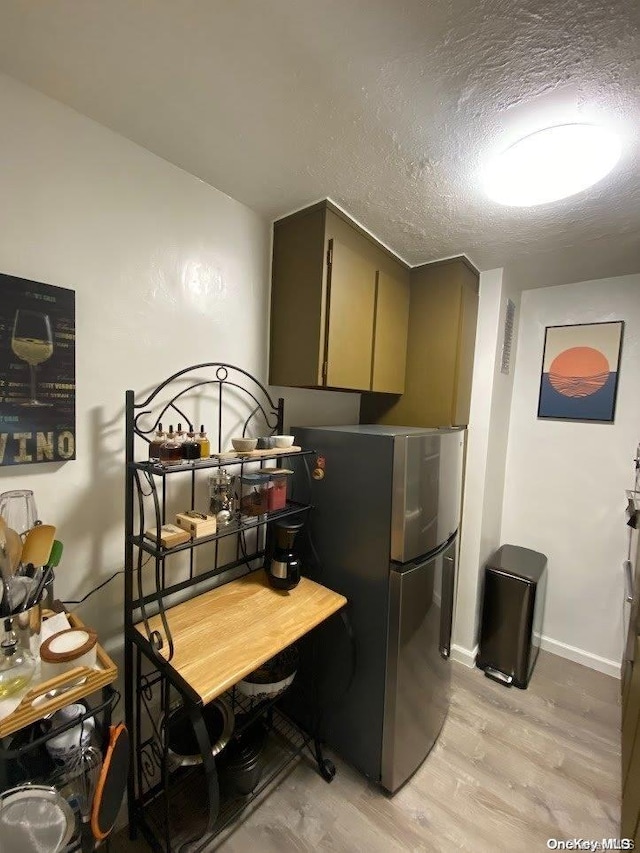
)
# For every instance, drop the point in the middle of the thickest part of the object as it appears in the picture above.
(34, 819)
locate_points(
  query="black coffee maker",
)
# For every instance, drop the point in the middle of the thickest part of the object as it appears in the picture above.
(282, 559)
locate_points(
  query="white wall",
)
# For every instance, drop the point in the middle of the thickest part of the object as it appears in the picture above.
(486, 455)
(565, 482)
(306, 407)
(167, 271)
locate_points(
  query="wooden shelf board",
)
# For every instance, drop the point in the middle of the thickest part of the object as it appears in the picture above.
(226, 633)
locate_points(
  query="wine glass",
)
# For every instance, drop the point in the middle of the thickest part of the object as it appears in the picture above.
(32, 342)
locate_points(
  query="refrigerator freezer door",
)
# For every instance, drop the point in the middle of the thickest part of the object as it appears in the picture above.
(427, 491)
(418, 672)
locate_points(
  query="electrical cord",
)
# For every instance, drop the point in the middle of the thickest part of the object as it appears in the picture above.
(77, 602)
(91, 592)
(80, 601)
(247, 559)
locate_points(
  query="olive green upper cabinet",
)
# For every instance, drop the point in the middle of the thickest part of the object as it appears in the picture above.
(339, 305)
(441, 341)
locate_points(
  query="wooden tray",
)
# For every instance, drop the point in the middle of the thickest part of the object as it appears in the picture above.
(256, 454)
(77, 683)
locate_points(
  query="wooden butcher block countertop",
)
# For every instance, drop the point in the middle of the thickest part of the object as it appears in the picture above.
(226, 633)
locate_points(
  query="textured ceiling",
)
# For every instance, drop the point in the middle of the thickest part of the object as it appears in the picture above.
(386, 107)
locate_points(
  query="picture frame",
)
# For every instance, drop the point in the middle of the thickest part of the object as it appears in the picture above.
(580, 371)
(37, 372)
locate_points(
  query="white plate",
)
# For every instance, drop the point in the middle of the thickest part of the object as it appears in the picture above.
(34, 819)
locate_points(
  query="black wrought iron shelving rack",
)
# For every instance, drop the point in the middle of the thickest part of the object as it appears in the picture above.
(157, 792)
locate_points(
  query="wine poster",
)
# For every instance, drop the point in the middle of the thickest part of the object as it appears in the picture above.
(37, 372)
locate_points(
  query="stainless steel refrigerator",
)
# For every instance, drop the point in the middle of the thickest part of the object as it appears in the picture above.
(383, 532)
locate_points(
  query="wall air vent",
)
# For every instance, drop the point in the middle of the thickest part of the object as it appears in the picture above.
(507, 339)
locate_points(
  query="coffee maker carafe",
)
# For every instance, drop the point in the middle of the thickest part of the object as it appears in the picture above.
(283, 561)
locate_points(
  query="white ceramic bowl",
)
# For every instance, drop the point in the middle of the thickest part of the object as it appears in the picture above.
(264, 691)
(244, 445)
(283, 440)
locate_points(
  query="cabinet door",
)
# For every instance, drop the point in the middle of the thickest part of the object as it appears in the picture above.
(351, 304)
(440, 347)
(297, 300)
(390, 333)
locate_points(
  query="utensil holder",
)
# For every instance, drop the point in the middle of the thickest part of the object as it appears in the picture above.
(27, 627)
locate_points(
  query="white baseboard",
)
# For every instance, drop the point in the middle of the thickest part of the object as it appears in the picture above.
(609, 667)
(465, 656)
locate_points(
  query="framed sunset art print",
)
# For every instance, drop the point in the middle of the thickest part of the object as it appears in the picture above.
(580, 367)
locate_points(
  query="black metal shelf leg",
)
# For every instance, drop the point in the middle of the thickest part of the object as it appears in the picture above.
(326, 767)
(213, 790)
(133, 743)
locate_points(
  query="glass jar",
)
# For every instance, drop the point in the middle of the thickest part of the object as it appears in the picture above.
(221, 497)
(190, 447)
(277, 498)
(170, 449)
(17, 666)
(156, 443)
(203, 441)
(254, 499)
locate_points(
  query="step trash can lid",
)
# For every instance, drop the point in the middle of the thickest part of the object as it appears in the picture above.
(518, 561)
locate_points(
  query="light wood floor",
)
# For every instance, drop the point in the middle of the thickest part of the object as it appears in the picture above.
(511, 769)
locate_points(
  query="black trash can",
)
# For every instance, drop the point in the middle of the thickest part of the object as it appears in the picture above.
(515, 581)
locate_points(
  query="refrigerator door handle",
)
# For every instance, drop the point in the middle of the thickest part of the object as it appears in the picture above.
(446, 610)
(628, 576)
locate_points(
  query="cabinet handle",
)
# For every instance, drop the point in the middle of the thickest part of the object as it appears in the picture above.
(628, 576)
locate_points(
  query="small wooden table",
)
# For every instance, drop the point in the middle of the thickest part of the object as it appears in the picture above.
(226, 633)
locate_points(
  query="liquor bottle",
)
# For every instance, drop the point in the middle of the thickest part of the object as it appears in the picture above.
(156, 443)
(203, 441)
(171, 450)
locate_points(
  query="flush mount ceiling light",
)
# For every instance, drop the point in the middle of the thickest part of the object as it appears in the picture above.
(551, 164)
